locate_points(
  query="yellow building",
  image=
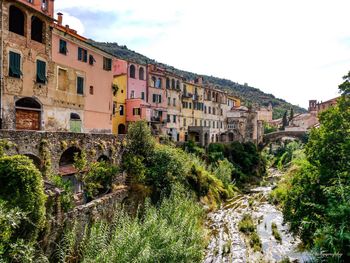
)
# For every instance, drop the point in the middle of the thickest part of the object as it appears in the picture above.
(233, 101)
(119, 103)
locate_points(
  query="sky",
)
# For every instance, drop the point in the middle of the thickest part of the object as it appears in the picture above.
(294, 49)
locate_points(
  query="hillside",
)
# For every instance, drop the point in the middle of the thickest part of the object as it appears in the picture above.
(249, 95)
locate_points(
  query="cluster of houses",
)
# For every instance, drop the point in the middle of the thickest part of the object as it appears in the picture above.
(53, 79)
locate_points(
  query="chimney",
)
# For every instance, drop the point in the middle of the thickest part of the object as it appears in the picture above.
(60, 19)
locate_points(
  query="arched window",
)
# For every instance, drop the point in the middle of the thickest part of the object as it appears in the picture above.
(17, 21)
(141, 73)
(177, 84)
(173, 83)
(132, 72)
(37, 29)
(154, 80)
(159, 83)
(74, 116)
(185, 90)
(167, 83)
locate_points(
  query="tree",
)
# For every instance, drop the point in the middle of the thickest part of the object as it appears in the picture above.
(21, 185)
(291, 116)
(284, 120)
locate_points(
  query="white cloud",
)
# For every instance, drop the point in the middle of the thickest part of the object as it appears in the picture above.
(73, 22)
(297, 50)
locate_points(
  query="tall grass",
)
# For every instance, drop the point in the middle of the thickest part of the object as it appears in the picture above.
(171, 232)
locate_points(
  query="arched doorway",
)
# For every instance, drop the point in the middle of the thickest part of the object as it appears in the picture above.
(75, 123)
(67, 169)
(230, 137)
(121, 129)
(28, 114)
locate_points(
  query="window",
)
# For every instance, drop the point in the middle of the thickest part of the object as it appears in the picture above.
(154, 80)
(136, 111)
(173, 83)
(121, 110)
(82, 54)
(177, 84)
(44, 5)
(41, 72)
(107, 64)
(15, 65)
(132, 94)
(91, 60)
(159, 83)
(190, 105)
(63, 47)
(142, 95)
(91, 90)
(205, 109)
(167, 85)
(169, 101)
(132, 72)
(184, 121)
(168, 118)
(209, 110)
(214, 111)
(141, 73)
(80, 85)
(174, 102)
(157, 98)
(174, 118)
(16, 21)
(114, 108)
(37, 30)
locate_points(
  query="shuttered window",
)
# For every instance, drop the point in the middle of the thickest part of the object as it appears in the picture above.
(82, 54)
(15, 65)
(63, 47)
(80, 85)
(107, 64)
(41, 72)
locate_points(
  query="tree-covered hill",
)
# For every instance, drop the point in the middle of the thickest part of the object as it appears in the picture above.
(249, 95)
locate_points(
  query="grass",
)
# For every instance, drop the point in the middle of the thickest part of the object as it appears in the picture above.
(246, 226)
(275, 232)
(172, 232)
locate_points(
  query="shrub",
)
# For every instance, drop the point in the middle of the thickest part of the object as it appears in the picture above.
(67, 196)
(246, 225)
(21, 185)
(170, 233)
(99, 178)
(275, 232)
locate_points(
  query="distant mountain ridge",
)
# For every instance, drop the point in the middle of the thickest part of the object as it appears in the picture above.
(249, 95)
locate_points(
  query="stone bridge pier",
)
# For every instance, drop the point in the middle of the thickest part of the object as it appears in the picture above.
(59, 148)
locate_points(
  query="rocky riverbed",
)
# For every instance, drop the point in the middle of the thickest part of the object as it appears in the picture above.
(228, 244)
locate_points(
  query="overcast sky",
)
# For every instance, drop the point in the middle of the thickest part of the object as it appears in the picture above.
(295, 49)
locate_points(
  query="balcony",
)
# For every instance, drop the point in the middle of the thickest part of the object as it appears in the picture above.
(187, 95)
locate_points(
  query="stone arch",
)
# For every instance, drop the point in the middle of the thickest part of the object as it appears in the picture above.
(35, 159)
(132, 72)
(66, 163)
(17, 21)
(103, 158)
(141, 73)
(121, 129)
(37, 29)
(28, 114)
(223, 137)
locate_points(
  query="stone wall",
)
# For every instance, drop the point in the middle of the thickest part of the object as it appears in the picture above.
(32, 144)
(81, 216)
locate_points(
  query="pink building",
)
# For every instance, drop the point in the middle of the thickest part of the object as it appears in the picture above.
(137, 81)
(137, 110)
(83, 84)
(44, 6)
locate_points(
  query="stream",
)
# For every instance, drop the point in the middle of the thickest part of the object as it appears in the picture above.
(228, 244)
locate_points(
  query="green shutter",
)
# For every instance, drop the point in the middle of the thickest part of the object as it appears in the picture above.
(41, 71)
(15, 65)
(75, 125)
(80, 85)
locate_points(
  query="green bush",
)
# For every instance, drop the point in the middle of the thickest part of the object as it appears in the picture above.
(21, 185)
(246, 225)
(67, 196)
(275, 232)
(192, 147)
(99, 178)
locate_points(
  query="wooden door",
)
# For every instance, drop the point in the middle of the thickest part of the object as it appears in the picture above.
(27, 120)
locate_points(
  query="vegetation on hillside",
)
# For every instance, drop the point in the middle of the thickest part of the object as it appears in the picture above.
(249, 94)
(315, 194)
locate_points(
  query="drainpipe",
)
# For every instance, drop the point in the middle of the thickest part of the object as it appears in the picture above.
(1, 65)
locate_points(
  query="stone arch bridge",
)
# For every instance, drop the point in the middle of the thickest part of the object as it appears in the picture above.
(275, 136)
(59, 148)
